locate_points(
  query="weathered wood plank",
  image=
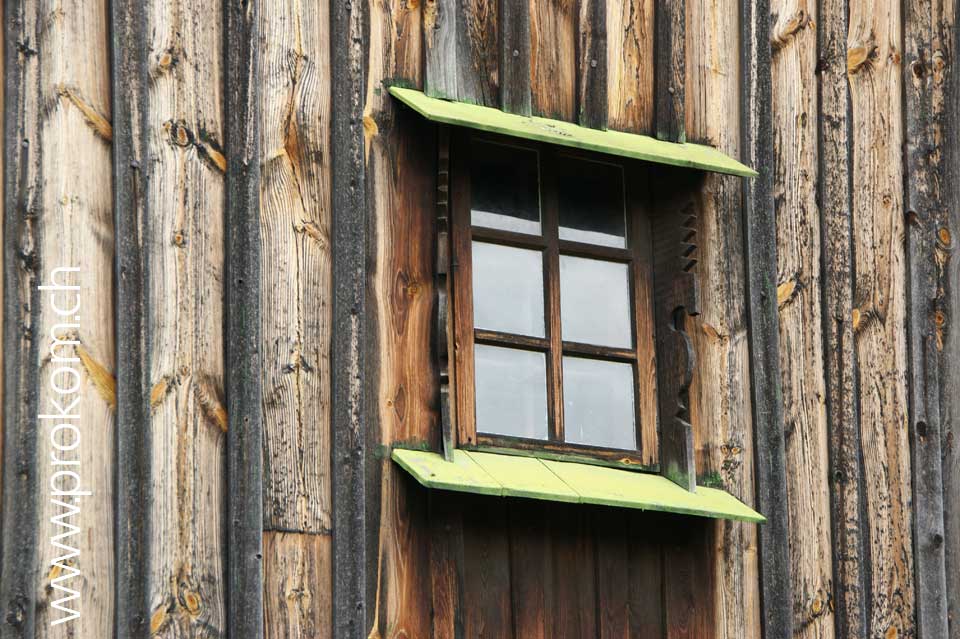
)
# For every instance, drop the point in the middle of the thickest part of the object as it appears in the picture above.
(514, 72)
(873, 70)
(629, 72)
(130, 178)
(243, 323)
(782, 214)
(923, 199)
(614, 603)
(447, 566)
(846, 477)
(401, 175)
(669, 70)
(487, 610)
(592, 71)
(21, 310)
(477, 61)
(297, 597)
(184, 247)
(531, 570)
(349, 321)
(689, 580)
(297, 272)
(720, 403)
(645, 560)
(553, 63)
(73, 209)
(440, 66)
(574, 607)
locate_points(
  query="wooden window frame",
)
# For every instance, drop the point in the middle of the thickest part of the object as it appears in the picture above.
(638, 254)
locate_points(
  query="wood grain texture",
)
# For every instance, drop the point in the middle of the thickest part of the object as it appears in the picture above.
(130, 175)
(297, 601)
(440, 67)
(73, 209)
(486, 605)
(447, 576)
(797, 291)
(531, 569)
(184, 256)
(592, 68)
(688, 580)
(720, 403)
(401, 174)
(477, 42)
(21, 310)
(646, 566)
(629, 70)
(923, 199)
(846, 471)
(669, 74)
(514, 72)
(879, 309)
(553, 62)
(297, 269)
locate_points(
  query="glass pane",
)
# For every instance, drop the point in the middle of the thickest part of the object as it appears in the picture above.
(511, 392)
(505, 187)
(590, 199)
(598, 407)
(508, 289)
(595, 302)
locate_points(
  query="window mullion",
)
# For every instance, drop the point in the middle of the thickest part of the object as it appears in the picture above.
(549, 211)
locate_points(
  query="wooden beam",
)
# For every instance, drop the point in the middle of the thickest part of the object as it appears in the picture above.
(670, 70)
(553, 64)
(348, 369)
(514, 30)
(21, 310)
(131, 184)
(477, 43)
(630, 35)
(760, 240)
(592, 63)
(923, 174)
(847, 509)
(244, 322)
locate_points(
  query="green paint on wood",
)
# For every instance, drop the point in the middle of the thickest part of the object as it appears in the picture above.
(525, 477)
(514, 476)
(639, 147)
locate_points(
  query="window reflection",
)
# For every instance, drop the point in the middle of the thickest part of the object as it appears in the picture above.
(511, 392)
(590, 199)
(595, 302)
(598, 403)
(505, 187)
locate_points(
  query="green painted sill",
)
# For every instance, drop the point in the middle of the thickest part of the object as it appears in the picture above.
(639, 147)
(512, 476)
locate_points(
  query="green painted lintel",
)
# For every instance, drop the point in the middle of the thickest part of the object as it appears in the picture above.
(529, 477)
(630, 145)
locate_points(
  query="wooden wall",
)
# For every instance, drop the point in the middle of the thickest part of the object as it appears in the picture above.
(253, 212)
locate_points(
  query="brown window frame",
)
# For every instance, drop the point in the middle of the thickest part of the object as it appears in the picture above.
(638, 254)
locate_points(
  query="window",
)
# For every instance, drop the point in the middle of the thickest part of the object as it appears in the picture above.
(552, 299)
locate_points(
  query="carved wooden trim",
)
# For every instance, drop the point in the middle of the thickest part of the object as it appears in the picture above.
(442, 302)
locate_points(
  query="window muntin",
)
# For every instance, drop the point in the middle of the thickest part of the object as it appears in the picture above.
(595, 301)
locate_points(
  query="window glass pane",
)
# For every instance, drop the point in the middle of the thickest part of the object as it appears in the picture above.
(595, 302)
(511, 392)
(508, 289)
(590, 199)
(505, 187)
(598, 408)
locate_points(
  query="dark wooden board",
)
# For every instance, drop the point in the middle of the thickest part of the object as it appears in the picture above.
(688, 578)
(531, 569)
(646, 567)
(514, 31)
(670, 70)
(592, 63)
(574, 607)
(488, 613)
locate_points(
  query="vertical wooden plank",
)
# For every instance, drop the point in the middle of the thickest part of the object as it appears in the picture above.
(440, 48)
(645, 557)
(592, 102)
(553, 62)
(925, 211)
(611, 533)
(487, 612)
(296, 586)
(783, 214)
(349, 321)
(296, 289)
(575, 578)
(669, 70)
(401, 188)
(531, 570)
(130, 176)
(73, 209)
(873, 70)
(688, 580)
(243, 323)
(184, 262)
(447, 566)
(720, 402)
(476, 61)
(629, 71)
(846, 476)
(21, 310)
(514, 30)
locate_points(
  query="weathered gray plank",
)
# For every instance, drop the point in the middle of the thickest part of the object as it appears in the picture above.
(592, 63)
(440, 48)
(476, 60)
(131, 183)
(924, 110)
(243, 322)
(514, 30)
(349, 221)
(670, 70)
